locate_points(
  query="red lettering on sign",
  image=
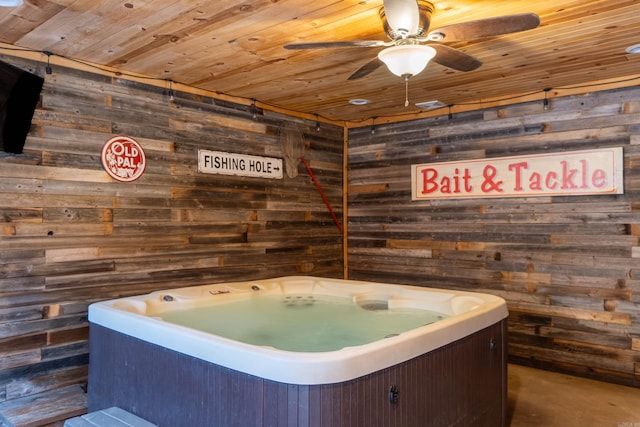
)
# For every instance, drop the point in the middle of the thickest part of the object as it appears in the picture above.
(567, 173)
(447, 184)
(429, 181)
(569, 178)
(518, 168)
(599, 178)
(123, 159)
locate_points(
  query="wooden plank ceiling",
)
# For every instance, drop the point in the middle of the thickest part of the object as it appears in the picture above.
(235, 47)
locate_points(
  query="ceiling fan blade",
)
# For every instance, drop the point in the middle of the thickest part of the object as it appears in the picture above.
(403, 16)
(325, 45)
(483, 28)
(366, 69)
(454, 58)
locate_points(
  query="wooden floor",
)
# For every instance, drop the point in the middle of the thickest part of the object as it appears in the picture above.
(49, 409)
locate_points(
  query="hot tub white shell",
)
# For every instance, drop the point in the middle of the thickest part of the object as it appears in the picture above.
(137, 317)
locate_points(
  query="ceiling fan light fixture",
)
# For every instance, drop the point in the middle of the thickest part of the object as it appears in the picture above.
(407, 60)
(10, 3)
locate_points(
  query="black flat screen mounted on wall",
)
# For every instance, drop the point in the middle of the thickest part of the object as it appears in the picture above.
(19, 95)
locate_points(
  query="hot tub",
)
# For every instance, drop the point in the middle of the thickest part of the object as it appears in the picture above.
(447, 366)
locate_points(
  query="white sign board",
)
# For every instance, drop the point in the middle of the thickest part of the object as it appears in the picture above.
(598, 171)
(218, 162)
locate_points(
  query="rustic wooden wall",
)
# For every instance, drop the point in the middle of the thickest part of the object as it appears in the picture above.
(569, 267)
(70, 235)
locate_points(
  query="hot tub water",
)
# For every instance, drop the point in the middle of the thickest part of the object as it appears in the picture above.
(303, 322)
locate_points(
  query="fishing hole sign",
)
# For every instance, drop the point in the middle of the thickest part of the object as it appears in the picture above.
(586, 172)
(218, 162)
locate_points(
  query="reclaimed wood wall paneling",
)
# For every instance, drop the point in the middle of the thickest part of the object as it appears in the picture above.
(69, 235)
(566, 265)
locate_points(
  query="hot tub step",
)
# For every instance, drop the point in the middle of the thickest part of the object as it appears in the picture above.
(44, 408)
(112, 417)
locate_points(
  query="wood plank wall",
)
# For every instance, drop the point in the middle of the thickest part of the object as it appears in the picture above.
(70, 235)
(569, 267)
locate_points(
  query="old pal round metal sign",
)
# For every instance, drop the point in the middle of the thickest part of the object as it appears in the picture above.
(123, 159)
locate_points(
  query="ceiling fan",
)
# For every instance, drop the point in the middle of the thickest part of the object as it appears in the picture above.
(412, 45)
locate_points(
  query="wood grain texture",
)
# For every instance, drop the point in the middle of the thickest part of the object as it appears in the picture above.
(567, 266)
(44, 409)
(236, 49)
(69, 235)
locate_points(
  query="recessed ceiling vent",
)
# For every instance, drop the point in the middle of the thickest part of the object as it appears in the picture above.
(430, 105)
(635, 49)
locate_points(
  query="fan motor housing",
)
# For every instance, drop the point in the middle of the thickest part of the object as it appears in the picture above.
(426, 9)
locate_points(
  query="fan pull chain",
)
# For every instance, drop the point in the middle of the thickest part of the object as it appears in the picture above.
(406, 92)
